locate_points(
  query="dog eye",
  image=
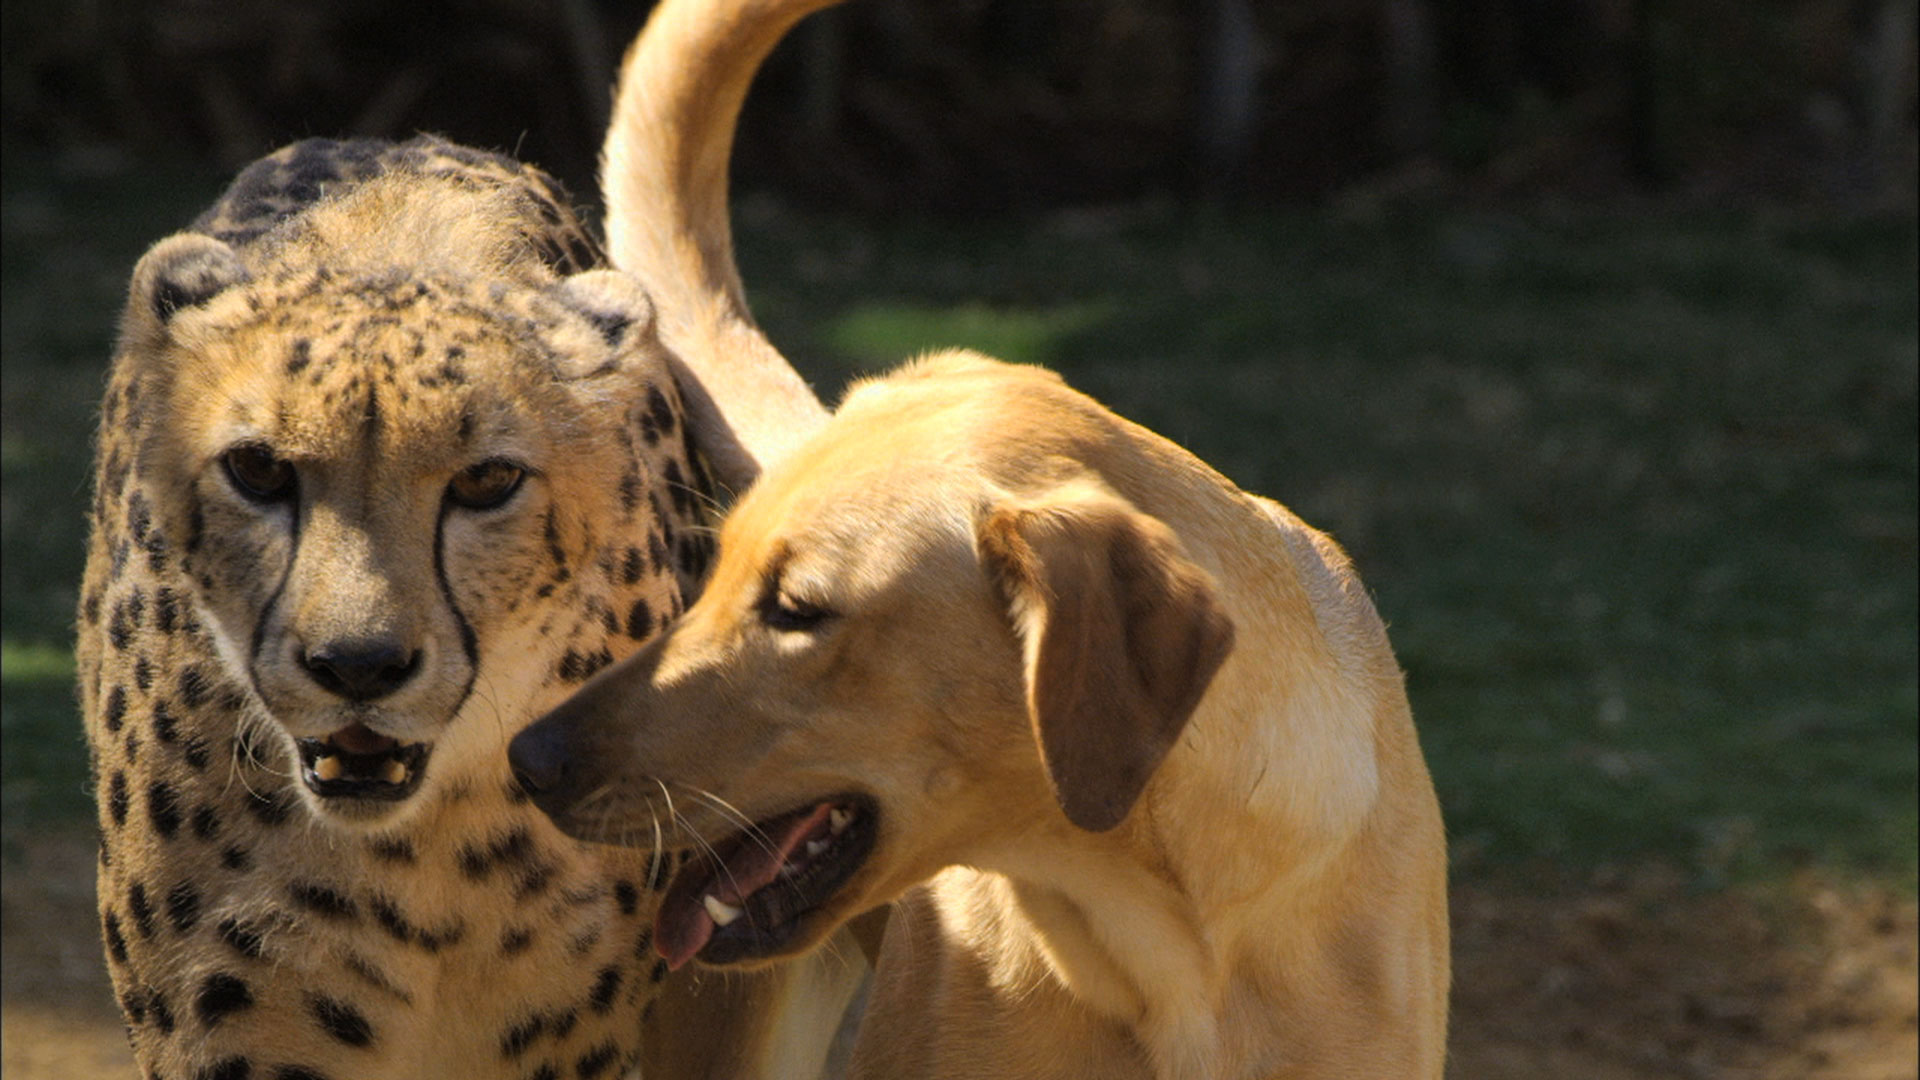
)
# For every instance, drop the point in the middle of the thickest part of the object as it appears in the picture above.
(486, 485)
(782, 612)
(258, 474)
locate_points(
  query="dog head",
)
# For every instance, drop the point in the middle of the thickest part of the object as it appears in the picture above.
(925, 636)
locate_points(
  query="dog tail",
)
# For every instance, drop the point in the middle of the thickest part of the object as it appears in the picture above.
(664, 173)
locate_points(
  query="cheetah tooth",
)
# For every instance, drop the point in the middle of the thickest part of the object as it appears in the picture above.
(838, 819)
(327, 767)
(815, 847)
(395, 772)
(721, 912)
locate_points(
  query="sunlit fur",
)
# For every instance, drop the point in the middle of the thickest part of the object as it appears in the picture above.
(1026, 591)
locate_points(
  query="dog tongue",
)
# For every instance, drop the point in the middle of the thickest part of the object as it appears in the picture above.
(683, 926)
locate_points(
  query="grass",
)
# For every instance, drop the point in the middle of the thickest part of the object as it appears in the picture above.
(1635, 492)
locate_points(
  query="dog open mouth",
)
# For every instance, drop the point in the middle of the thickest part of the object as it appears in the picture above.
(357, 762)
(751, 894)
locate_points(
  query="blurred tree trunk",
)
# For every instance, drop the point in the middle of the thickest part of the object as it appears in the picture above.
(1411, 54)
(1232, 59)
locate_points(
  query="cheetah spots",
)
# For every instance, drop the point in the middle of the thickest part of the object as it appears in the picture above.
(515, 939)
(659, 972)
(388, 915)
(658, 420)
(241, 938)
(120, 626)
(220, 996)
(629, 493)
(632, 566)
(605, 988)
(116, 942)
(194, 690)
(194, 750)
(322, 900)
(233, 1068)
(116, 710)
(298, 1072)
(299, 356)
(236, 858)
(145, 1003)
(519, 1038)
(625, 895)
(206, 823)
(143, 673)
(340, 1020)
(141, 909)
(695, 553)
(640, 620)
(678, 489)
(165, 724)
(577, 666)
(534, 880)
(515, 847)
(117, 798)
(657, 550)
(183, 906)
(597, 1060)
(166, 611)
(163, 808)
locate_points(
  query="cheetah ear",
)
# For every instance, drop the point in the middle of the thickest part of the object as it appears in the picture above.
(183, 271)
(614, 303)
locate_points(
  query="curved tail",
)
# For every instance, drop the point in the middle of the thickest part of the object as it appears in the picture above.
(664, 173)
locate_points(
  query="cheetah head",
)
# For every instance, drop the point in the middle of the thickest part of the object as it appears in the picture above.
(390, 492)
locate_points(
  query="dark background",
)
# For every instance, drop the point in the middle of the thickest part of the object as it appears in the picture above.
(990, 104)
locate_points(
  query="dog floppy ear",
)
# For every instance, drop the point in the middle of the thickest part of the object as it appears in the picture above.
(1122, 634)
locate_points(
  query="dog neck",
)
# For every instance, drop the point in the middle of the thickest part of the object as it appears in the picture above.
(1184, 923)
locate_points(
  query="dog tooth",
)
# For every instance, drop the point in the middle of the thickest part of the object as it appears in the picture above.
(327, 767)
(815, 847)
(838, 819)
(721, 912)
(395, 772)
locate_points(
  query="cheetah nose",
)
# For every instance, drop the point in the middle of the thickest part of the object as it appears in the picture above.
(361, 669)
(538, 757)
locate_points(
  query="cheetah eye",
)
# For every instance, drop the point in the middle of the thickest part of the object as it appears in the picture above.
(486, 485)
(258, 474)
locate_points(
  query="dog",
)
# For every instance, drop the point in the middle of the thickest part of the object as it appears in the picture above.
(1124, 748)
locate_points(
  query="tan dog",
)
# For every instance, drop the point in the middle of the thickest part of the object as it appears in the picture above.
(1129, 742)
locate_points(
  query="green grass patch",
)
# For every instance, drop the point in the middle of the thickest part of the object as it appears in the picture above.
(1636, 493)
(873, 335)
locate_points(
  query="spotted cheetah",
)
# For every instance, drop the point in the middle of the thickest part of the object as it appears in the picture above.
(388, 462)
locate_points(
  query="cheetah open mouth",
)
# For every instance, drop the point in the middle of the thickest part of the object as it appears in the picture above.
(357, 762)
(750, 896)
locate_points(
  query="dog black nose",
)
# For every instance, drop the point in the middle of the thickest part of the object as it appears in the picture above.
(361, 669)
(538, 758)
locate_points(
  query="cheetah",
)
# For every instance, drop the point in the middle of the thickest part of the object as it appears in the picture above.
(388, 462)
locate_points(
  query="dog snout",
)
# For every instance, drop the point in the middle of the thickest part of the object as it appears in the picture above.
(540, 759)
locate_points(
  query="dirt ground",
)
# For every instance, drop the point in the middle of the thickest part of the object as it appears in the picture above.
(1626, 976)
